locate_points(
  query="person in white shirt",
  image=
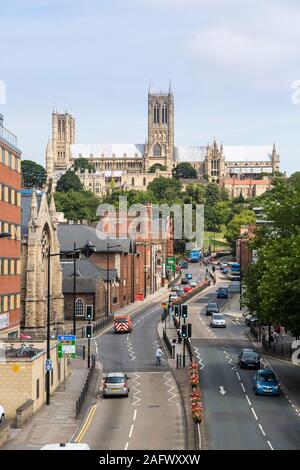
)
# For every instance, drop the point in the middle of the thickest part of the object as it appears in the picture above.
(158, 355)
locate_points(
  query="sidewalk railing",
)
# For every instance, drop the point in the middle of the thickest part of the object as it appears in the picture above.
(167, 342)
(80, 401)
(277, 349)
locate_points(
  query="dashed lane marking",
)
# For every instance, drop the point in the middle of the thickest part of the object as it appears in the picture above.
(260, 427)
(242, 385)
(126, 446)
(238, 376)
(131, 431)
(270, 445)
(134, 415)
(255, 415)
(248, 400)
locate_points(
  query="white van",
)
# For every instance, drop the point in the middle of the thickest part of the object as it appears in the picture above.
(66, 446)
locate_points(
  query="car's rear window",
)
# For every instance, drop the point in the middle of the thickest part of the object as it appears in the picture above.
(121, 320)
(114, 380)
(211, 305)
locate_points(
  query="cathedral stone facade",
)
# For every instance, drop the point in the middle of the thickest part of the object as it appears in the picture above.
(127, 165)
(38, 237)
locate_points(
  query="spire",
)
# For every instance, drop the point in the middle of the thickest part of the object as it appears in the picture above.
(52, 210)
(33, 210)
(170, 87)
(149, 89)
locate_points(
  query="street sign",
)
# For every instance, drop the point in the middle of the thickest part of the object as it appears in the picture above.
(89, 312)
(66, 346)
(170, 264)
(48, 364)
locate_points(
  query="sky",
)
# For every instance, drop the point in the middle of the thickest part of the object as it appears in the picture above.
(234, 68)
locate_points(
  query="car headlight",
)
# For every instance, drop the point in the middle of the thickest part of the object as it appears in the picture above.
(258, 386)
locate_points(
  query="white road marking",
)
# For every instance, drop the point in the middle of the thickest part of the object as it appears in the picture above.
(255, 416)
(248, 400)
(169, 384)
(134, 415)
(126, 446)
(222, 391)
(260, 427)
(242, 385)
(270, 445)
(131, 431)
(238, 376)
(137, 390)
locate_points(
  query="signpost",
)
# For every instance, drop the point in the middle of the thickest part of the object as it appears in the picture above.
(48, 365)
(66, 346)
(170, 264)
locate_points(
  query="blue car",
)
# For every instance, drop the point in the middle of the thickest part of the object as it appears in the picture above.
(265, 382)
(189, 276)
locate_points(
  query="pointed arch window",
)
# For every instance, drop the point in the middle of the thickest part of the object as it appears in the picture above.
(157, 150)
(156, 111)
(164, 114)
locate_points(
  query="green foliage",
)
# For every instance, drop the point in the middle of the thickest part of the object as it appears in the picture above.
(245, 217)
(184, 170)
(273, 283)
(133, 197)
(77, 205)
(69, 182)
(34, 176)
(157, 166)
(82, 164)
(165, 190)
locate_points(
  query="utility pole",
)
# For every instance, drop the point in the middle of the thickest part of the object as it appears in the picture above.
(48, 327)
(74, 290)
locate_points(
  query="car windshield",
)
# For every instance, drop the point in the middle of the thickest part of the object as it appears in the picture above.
(114, 380)
(266, 376)
(211, 305)
(218, 317)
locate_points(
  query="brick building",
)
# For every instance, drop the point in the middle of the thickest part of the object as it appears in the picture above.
(10, 233)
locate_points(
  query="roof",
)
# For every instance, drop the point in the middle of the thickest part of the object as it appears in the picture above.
(88, 276)
(248, 153)
(190, 154)
(107, 150)
(68, 234)
(25, 208)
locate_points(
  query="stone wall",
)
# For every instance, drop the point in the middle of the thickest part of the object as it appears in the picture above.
(4, 432)
(24, 413)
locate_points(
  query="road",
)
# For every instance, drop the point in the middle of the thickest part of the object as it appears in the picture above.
(235, 418)
(151, 418)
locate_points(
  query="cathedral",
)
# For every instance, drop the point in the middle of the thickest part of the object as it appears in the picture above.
(127, 165)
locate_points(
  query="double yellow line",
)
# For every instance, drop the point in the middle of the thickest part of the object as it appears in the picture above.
(86, 424)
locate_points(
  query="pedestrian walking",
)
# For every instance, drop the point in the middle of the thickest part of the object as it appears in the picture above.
(276, 337)
(158, 355)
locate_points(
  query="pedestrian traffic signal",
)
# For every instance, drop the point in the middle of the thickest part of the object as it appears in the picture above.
(184, 331)
(177, 310)
(89, 312)
(88, 331)
(184, 311)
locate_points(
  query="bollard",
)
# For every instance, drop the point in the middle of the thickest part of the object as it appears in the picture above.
(83, 352)
(173, 351)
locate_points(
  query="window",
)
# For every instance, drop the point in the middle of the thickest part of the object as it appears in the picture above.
(3, 157)
(164, 114)
(79, 308)
(156, 114)
(157, 150)
(144, 181)
(37, 389)
(115, 300)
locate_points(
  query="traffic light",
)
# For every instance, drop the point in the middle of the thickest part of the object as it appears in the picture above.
(184, 331)
(184, 311)
(88, 331)
(189, 330)
(213, 269)
(177, 310)
(89, 312)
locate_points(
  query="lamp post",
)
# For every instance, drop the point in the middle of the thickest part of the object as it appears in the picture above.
(108, 246)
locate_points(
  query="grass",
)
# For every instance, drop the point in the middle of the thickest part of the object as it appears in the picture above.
(216, 240)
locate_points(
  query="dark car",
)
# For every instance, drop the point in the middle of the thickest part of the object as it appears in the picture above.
(249, 358)
(222, 293)
(265, 382)
(211, 308)
(184, 281)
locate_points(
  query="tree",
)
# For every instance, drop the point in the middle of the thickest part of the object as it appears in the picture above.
(157, 166)
(184, 170)
(245, 217)
(77, 205)
(33, 175)
(165, 190)
(82, 164)
(69, 182)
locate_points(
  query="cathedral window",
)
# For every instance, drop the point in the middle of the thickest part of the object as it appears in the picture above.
(164, 114)
(157, 150)
(156, 114)
(79, 308)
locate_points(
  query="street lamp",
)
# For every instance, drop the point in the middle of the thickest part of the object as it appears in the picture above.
(108, 246)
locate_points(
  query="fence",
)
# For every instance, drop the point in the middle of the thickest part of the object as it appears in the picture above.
(167, 343)
(277, 349)
(97, 325)
(84, 391)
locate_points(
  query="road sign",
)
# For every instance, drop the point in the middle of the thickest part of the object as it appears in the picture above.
(66, 346)
(170, 263)
(48, 364)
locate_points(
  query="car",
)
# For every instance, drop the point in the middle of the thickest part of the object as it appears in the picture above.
(184, 281)
(180, 292)
(183, 264)
(174, 288)
(115, 384)
(189, 276)
(218, 320)
(249, 358)
(24, 336)
(265, 382)
(178, 268)
(247, 318)
(193, 283)
(2, 414)
(211, 308)
(222, 293)
(66, 446)
(187, 289)
(223, 266)
(173, 296)
(225, 270)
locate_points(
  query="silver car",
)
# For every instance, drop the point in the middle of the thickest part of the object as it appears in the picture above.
(218, 320)
(115, 384)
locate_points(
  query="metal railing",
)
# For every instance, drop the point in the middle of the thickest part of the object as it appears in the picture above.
(83, 394)
(167, 343)
(277, 349)
(189, 348)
